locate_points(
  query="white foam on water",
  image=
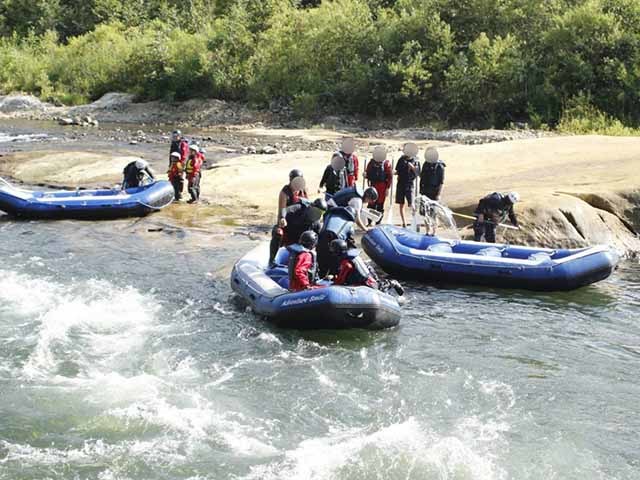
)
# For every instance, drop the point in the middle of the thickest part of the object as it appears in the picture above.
(402, 450)
(22, 138)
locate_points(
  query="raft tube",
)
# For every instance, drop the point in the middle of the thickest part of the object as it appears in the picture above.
(331, 307)
(85, 204)
(409, 255)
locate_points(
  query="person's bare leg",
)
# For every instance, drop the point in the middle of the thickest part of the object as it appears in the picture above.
(404, 223)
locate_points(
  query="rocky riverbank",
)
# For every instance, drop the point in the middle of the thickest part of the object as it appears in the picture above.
(577, 191)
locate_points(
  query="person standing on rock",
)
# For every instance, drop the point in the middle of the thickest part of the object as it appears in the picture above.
(176, 175)
(179, 144)
(407, 170)
(491, 211)
(334, 177)
(432, 175)
(135, 172)
(350, 159)
(379, 176)
(193, 169)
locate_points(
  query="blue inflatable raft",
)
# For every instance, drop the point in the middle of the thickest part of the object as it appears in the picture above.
(331, 307)
(409, 255)
(85, 204)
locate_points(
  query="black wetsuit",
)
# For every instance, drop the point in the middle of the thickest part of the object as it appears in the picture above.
(333, 180)
(338, 224)
(134, 175)
(494, 207)
(405, 188)
(431, 179)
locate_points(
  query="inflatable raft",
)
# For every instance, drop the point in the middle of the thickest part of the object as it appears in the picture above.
(85, 204)
(409, 255)
(331, 307)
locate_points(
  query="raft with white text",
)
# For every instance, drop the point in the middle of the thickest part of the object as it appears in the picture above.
(330, 307)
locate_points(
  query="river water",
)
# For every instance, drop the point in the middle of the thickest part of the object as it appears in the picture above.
(123, 356)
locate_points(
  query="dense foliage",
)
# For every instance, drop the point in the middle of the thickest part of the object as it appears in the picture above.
(479, 62)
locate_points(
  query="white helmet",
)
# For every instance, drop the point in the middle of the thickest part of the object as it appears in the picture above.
(379, 153)
(514, 197)
(141, 164)
(176, 154)
(348, 145)
(431, 155)
(194, 147)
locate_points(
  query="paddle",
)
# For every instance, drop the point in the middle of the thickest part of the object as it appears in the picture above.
(469, 217)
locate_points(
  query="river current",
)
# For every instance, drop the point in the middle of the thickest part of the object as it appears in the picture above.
(123, 356)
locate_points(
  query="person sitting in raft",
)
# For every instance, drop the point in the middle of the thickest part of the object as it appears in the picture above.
(352, 270)
(407, 170)
(303, 267)
(135, 172)
(193, 169)
(176, 175)
(334, 177)
(432, 175)
(180, 145)
(354, 197)
(347, 148)
(491, 211)
(379, 176)
(337, 223)
(296, 219)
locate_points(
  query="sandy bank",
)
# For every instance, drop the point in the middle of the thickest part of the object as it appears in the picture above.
(576, 190)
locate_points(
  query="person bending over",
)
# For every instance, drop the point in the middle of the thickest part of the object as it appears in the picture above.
(134, 174)
(491, 211)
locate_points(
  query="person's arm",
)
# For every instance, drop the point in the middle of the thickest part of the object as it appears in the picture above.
(301, 270)
(513, 217)
(282, 204)
(356, 166)
(184, 151)
(388, 174)
(149, 172)
(325, 176)
(424, 178)
(343, 273)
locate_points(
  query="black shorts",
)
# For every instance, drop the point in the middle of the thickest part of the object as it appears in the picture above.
(405, 193)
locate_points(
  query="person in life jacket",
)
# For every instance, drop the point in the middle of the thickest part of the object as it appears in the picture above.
(296, 219)
(347, 148)
(379, 176)
(179, 144)
(289, 195)
(352, 270)
(334, 177)
(491, 211)
(193, 169)
(135, 172)
(407, 170)
(432, 175)
(303, 267)
(176, 175)
(354, 197)
(337, 224)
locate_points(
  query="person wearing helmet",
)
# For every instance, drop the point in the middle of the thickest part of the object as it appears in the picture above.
(292, 191)
(176, 175)
(352, 270)
(337, 224)
(347, 147)
(134, 174)
(379, 176)
(432, 175)
(179, 144)
(193, 169)
(491, 211)
(303, 267)
(334, 177)
(354, 197)
(296, 219)
(407, 170)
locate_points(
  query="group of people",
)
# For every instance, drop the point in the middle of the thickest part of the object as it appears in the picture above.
(319, 234)
(185, 160)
